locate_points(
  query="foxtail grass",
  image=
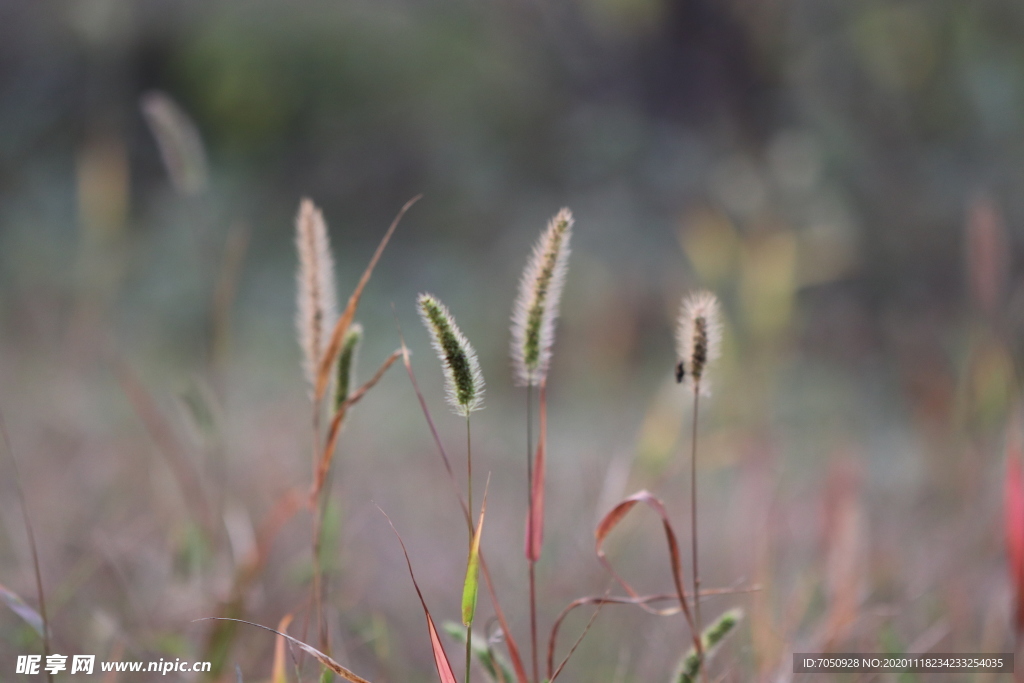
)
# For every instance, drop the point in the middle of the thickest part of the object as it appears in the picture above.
(464, 384)
(316, 310)
(536, 308)
(698, 340)
(328, 342)
(533, 334)
(499, 613)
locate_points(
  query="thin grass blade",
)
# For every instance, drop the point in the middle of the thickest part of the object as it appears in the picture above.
(308, 649)
(168, 445)
(471, 586)
(444, 667)
(339, 417)
(493, 664)
(22, 609)
(27, 521)
(637, 601)
(279, 675)
(346, 318)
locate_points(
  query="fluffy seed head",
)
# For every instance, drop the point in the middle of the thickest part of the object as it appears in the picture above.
(463, 380)
(316, 309)
(698, 337)
(536, 307)
(345, 371)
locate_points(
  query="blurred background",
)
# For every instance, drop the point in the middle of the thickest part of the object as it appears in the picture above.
(846, 176)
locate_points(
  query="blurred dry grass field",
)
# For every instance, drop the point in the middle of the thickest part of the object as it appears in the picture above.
(843, 178)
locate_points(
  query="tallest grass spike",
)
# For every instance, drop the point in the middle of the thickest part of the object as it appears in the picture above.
(536, 307)
(698, 337)
(533, 333)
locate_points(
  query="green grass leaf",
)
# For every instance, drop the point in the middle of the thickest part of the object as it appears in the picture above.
(471, 586)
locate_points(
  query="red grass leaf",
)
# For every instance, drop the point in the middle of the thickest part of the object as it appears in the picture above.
(444, 667)
(1014, 520)
(612, 519)
(341, 327)
(535, 516)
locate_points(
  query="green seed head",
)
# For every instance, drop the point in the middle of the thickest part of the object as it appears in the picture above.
(344, 376)
(463, 379)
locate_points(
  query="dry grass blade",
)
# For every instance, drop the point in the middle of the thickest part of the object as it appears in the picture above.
(510, 642)
(235, 248)
(535, 516)
(23, 610)
(597, 600)
(326, 661)
(430, 423)
(31, 540)
(189, 480)
(339, 417)
(513, 648)
(221, 636)
(572, 650)
(341, 327)
(620, 600)
(278, 670)
(444, 667)
(612, 519)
